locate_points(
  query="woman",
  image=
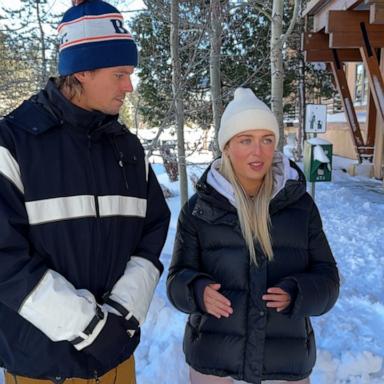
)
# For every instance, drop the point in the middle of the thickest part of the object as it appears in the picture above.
(251, 262)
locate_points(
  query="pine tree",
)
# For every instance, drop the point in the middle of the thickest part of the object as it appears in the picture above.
(32, 39)
(244, 57)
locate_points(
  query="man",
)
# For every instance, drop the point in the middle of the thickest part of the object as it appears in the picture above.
(82, 217)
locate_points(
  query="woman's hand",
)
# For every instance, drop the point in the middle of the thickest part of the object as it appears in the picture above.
(277, 298)
(215, 303)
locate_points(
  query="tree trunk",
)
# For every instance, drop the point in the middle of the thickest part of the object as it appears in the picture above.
(177, 94)
(44, 64)
(214, 67)
(300, 129)
(277, 70)
(302, 103)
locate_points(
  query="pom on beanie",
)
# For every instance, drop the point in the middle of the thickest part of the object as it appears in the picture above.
(92, 35)
(244, 113)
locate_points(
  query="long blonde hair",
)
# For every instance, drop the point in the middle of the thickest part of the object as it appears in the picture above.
(253, 212)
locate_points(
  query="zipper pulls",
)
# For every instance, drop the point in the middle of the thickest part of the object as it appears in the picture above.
(96, 377)
(121, 164)
(121, 157)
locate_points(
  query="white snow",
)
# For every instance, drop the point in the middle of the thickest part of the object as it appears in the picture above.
(350, 338)
(318, 141)
(340, 117)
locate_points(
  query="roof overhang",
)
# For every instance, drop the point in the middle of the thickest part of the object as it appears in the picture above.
(319, 10)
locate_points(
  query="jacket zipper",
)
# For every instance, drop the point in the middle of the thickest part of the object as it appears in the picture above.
(93, 176)
(121, 165)
(96, 241)
(120, 160)
(96, 377)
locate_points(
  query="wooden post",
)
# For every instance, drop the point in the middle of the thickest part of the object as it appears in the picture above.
(378, 155)
(371, 122)
(346, 99)
(376, 83)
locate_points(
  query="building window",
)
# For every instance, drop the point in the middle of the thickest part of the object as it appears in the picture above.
(361, 85)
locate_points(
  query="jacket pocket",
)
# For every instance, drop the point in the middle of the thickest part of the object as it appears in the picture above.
(195, 320)
(308, 327)
(24, 334)
(310, 335)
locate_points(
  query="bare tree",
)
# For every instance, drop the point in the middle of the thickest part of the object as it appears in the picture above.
(43, 48)
(214, 66)
(277, 70)
(278, 40)
(177, 93)
(298, 153)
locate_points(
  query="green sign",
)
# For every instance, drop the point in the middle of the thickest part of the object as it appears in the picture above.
(318, 160)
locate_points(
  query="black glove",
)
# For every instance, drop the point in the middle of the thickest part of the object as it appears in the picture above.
(112, 340)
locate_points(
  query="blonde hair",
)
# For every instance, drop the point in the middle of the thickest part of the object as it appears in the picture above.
(253, 212)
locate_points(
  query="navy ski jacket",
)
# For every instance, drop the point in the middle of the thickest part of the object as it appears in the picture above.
(82, 223)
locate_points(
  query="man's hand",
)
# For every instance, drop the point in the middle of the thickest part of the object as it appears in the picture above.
(111, 341)
(277, 298)
(215, 303)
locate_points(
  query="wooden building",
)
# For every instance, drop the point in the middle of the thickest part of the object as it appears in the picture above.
(352, 31)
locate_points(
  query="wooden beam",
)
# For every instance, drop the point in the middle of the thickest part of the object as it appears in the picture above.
(349, 21)
(371, 121)
(375, 77)
(314, 41)
(320, 16)
(376, 13)
(378, 156)
(316, 48)
(326, 55)
(354, 40)
(343, 21)
(349, 110)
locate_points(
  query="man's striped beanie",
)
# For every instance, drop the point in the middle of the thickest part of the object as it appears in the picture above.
(92, 35)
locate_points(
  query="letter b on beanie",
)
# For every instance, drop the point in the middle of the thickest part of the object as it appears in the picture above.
(92, 35)
(244, 113)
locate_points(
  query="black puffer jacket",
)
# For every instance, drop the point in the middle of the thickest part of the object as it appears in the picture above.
(255, 343)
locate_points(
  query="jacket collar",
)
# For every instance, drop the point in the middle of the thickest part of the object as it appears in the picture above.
(50, 108)
(73, 115)
(289, 185)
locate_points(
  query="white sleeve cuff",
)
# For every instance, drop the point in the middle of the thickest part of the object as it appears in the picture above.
(134, 290)
(60, 310)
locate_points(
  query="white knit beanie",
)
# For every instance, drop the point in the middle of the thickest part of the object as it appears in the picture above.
(244, 113)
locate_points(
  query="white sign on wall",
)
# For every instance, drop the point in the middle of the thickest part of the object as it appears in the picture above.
(315, 118)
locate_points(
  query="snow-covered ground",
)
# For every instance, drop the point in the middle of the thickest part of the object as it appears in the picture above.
(350, 338)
